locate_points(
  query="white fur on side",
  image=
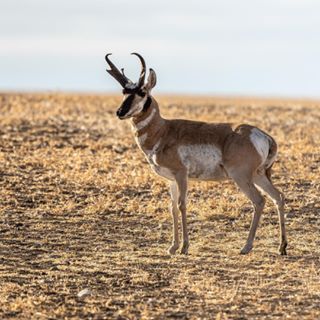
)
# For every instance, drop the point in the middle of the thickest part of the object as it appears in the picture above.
(201, 160)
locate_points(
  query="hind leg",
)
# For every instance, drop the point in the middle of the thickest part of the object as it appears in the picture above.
(278, 199)
(182, 184)
(244, 182)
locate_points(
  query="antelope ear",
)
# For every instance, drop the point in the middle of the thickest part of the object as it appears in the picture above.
(152, 80)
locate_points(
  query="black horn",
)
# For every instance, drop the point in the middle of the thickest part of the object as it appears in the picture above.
(114, 72)
(143, 70)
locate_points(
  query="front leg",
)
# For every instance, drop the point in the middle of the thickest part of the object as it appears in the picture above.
(174, 211)
(182, 183)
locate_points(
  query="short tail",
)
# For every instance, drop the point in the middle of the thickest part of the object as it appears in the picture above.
(273, 150)
(268, 172)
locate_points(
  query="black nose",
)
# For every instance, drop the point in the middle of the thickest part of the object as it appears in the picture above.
(120, 113)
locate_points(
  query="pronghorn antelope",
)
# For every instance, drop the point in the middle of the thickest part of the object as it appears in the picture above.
(179, 150)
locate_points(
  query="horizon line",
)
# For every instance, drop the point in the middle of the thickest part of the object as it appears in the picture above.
(216, 96)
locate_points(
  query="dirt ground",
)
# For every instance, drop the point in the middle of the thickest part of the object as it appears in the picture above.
(81, 210)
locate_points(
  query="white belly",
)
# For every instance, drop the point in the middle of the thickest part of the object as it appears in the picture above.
(203, 161)
(163, 172)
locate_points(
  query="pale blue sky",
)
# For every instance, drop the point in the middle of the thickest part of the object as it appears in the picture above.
(247, 47)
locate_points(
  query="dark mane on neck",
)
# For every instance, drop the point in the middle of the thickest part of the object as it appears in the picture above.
(147, 104)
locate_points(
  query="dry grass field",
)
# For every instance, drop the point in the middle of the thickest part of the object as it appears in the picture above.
(80, 209)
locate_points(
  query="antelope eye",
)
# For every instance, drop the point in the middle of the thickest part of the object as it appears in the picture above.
(126, 91)
(140, 93)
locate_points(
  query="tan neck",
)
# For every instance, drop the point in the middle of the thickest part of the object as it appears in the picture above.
(149, 127)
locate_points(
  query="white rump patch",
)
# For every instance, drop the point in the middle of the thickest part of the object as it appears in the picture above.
(261, 143)
(202, 161)
(146, 121)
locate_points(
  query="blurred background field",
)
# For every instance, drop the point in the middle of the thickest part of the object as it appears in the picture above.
(80, 209)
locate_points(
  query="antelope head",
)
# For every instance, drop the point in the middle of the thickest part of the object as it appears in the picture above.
(136, 96)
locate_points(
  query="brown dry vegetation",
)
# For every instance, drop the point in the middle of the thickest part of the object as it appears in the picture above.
(80, 208)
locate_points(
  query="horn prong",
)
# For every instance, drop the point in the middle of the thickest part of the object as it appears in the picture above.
(122, 71)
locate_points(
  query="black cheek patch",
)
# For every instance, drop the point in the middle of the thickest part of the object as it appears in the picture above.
(125, 106)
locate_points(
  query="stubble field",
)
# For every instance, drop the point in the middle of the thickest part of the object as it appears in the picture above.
(80, 209)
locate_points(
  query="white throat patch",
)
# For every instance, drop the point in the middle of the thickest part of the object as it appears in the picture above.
(146, 121)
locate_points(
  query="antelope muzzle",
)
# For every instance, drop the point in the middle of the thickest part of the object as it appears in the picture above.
(124, 110)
